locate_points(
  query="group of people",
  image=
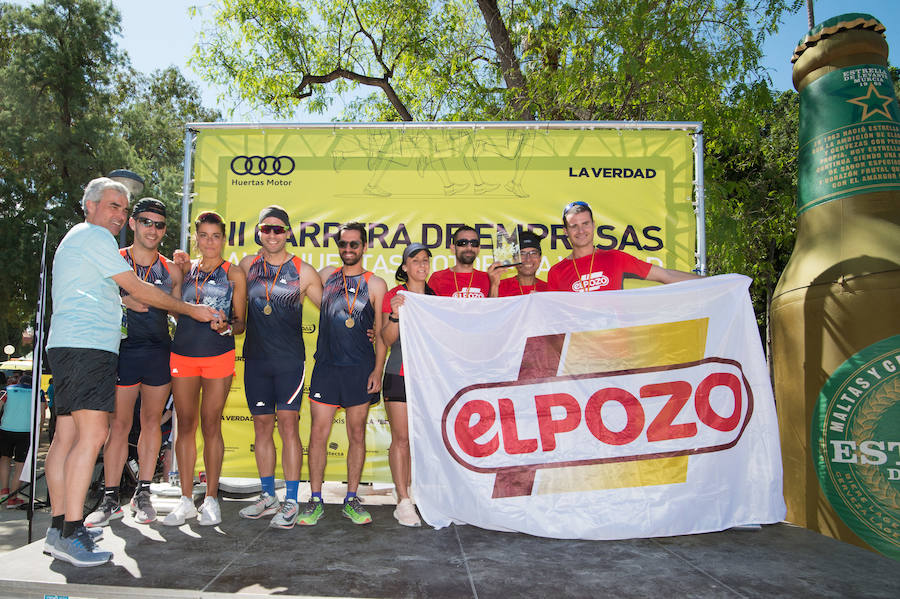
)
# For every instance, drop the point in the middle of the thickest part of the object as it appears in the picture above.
(263, 296)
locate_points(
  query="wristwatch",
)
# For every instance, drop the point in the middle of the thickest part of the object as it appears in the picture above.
(392, 319)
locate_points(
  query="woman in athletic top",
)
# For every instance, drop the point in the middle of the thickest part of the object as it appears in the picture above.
(203, 357)
(412, 275)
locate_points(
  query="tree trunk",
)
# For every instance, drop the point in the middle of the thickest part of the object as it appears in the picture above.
(509, 62)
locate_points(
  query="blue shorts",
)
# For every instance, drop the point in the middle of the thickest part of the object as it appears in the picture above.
(148, 365)
(342, 386)
(271, 385)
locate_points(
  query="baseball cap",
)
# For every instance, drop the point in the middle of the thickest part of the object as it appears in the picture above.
(527, 239)
(414, 248)
(149, 205)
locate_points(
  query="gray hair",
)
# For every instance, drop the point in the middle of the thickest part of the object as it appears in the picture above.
(93, 191)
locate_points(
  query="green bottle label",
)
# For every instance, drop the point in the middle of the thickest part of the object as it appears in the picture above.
(855, 438)
(849, 136)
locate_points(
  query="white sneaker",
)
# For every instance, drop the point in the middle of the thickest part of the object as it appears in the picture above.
(210, 514)
(184, 510)
(264, 506)
(405, 513)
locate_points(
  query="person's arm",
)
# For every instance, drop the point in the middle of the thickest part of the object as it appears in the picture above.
(148, 294)
(313, 284)
(182, 261)
(493, 272)
(238, 303)
(390, 332)
(377, 289)
(667, 275)
(325, 273)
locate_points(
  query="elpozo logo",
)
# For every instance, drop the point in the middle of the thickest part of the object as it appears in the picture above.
(262, 165)
(855, 440)
(664, 413)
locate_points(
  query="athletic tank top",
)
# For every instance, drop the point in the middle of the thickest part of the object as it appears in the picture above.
(277, 335)
(151, 328)
(337, 344)
(197, 339)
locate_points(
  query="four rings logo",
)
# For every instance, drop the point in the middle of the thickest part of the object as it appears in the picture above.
(262, 165)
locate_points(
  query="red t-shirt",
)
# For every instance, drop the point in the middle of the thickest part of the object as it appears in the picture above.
(510, 287)
(451, 284)
(605, 274)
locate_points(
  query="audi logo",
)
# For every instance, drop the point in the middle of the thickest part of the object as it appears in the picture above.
(262, 165)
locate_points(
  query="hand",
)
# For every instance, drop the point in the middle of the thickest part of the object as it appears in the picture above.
(220, 322)
(396, 302)
(202, 313)
(134, 305)
(374, 383)
(493, 272)
(180, 257)
(370, 333)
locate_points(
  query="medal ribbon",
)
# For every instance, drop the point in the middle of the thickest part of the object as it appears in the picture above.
(456, 285)
(198, 289)
(266, 271)
(590, 270)
(347, 296)
(134, 265)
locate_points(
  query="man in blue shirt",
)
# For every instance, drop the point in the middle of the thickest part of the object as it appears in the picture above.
(82, 348)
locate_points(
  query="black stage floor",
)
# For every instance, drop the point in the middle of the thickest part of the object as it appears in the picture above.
(339, 559)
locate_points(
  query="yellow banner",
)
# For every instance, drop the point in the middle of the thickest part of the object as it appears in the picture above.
(418, 184)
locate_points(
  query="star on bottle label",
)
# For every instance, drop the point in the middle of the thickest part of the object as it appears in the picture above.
(872, 103)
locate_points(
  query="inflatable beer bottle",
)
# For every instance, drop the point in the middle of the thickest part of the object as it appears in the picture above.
(835, 314)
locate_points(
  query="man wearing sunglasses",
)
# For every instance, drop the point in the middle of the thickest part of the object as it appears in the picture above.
(525, 281)
(274, 354)
(143, 367)
(589, 269)
(348, 369)
(462, 279)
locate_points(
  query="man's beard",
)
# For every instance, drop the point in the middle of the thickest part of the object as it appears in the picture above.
(466, 258)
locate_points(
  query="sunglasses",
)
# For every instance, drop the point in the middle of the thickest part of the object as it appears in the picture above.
(276, 229)
(149, 222)
(530, 255)
(461, 243)
(352, 244)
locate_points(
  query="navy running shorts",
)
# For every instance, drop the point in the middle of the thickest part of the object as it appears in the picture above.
(271, 385)
(84, 379)
(342, 386)
(393, 388)
(148, 365)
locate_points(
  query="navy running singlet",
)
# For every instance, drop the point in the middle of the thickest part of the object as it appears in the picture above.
(197, 339)
(149, 328)
(339, 345)
(277, 335)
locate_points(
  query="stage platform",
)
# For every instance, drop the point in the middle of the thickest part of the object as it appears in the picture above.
(336, 558)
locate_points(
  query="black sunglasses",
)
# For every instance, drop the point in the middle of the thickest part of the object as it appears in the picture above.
(353, 244)
(149, 222)
(277, 229)
(461, 243)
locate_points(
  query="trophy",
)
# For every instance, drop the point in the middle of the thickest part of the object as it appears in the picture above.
(221, 300)
(506, 248)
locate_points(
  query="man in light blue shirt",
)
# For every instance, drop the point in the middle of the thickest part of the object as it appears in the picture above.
(82, 348)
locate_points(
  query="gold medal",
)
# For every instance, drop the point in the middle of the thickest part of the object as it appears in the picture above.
(267, 310)
(350, 322)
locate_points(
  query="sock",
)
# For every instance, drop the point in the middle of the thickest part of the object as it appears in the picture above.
(112, 492)
(316, 496)
(143, 485)
(350, 495)
(57, 522)
(268, 485)
(291, 487)
(69, 528)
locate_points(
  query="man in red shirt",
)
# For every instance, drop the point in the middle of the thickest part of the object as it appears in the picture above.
(590, 269)
(524, 282)
(463, 280)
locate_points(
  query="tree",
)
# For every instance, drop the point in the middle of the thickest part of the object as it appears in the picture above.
(72, 109)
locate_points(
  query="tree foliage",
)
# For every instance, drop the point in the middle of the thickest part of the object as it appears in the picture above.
(71, 109)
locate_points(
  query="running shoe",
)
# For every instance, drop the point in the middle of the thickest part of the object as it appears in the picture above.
(184, 510)
(144, 512)
(210, 514)
(108, 510)
(80, 550)
(354, 510)
(286, 516)
(405, 513)
(313, 511)
(264, 506)
(53, 536)
(14, 502)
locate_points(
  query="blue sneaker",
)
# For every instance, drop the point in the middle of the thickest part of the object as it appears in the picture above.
(53, 536)
(80, 550)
